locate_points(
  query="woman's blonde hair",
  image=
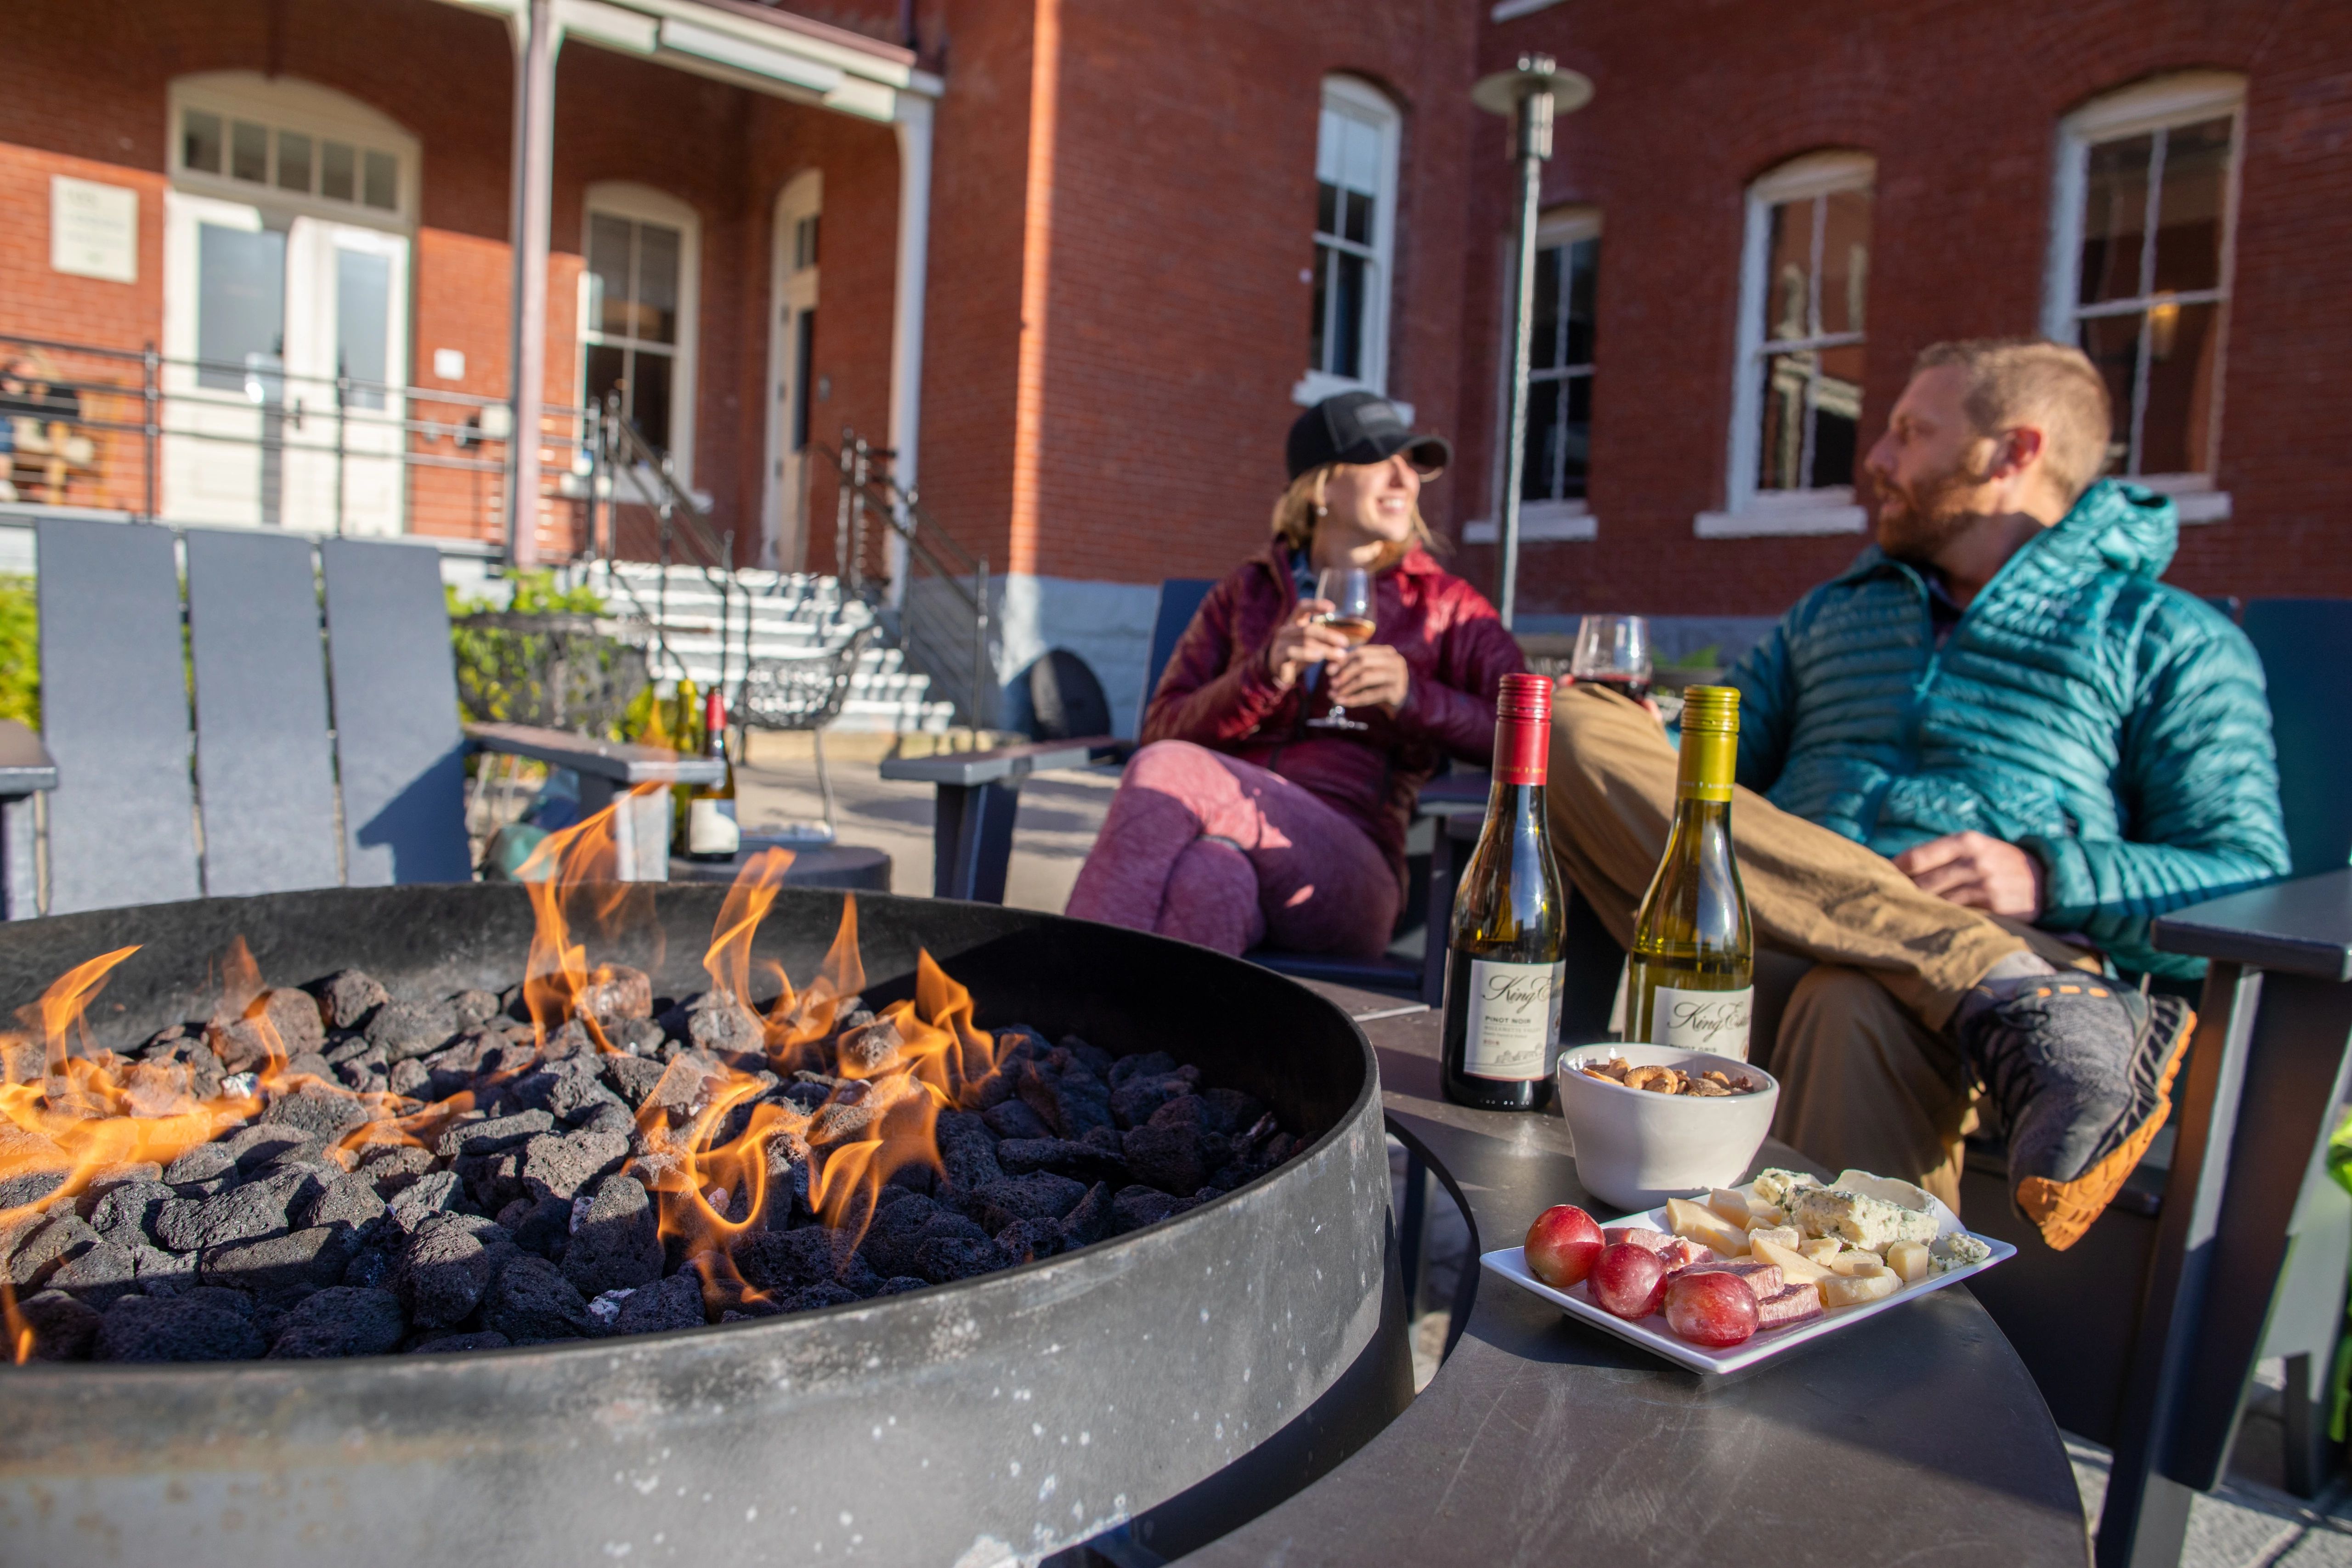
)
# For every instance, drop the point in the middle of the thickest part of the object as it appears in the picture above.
(1301, 507)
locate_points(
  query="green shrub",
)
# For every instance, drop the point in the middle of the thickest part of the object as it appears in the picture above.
(20, 651)
(511, 674)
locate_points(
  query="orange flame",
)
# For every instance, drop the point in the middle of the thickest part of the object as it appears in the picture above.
(577, 866)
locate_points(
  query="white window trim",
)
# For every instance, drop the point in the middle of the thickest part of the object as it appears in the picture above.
(286, 103)
(1507, 10)
(1747, 511)
(1545, 519)
(1541, 522)
(626, 199)
(2180, 99)
(1316, 385)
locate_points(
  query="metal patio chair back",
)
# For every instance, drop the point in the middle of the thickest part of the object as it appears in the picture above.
(803, 692)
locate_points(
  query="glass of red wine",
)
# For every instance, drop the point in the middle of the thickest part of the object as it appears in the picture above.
(1614, 651)
(1348, 591)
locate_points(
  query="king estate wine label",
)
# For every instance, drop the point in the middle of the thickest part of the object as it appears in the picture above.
(1713, 1021)
(1513, 1020)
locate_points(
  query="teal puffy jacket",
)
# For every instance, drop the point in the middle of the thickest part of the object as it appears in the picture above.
(2112, 725)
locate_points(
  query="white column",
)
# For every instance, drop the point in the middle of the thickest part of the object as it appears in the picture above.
(912, 121)
(534, 191)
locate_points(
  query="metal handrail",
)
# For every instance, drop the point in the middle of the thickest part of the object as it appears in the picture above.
(621, 450)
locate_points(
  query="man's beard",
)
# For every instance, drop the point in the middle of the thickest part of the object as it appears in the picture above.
(1927, 515)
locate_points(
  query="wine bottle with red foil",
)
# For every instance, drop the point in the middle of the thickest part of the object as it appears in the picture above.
(708, 831)
(1503, 961)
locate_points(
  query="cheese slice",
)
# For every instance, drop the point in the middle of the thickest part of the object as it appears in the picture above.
(1795, 1267)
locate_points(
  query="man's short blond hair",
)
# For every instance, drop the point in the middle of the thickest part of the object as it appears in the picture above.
(2032, 381)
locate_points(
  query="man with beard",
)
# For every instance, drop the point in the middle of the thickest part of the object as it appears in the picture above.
(1972, 767)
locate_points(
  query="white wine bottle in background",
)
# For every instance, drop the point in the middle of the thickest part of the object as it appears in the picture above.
(1692, 967)
(711, 829)
(1503, 968)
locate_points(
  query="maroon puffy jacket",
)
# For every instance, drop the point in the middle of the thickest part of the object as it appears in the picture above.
(1218, 690)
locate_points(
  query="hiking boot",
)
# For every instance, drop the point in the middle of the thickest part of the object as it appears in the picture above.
(2083, 1074)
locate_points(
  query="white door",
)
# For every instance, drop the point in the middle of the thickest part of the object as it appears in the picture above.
(261, 314)
(791, 341)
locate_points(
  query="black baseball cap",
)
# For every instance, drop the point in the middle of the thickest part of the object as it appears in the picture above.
(1360, 427)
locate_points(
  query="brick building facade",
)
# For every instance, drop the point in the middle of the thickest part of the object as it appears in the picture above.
(1081, 261)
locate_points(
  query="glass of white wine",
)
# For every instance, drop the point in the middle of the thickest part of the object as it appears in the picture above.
(1348, 591)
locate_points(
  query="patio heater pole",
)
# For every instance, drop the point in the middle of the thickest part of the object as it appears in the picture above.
(534, 180)
(1532, 95)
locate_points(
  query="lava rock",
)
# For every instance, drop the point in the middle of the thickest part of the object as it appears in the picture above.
(205, 1163)
(658, 1308)
(543, 1226)
(719, 1022)
(45, 1246)
(895, 1232)
(900, 1284)
(392, 1166)
(868, 1049)
(315, 1110)
(34, 1166)
(1091, 1220)
(474, 1007)
(162, 1273)
(823, 1293)
(556, 1166)
(1016, 1122)
(615, 1239)
(246, 1213)
(282, 1022)
(967, 1152)
(410, 1079)
(1231, 1111)
(346, 1200)
(614, 994)
(1176, 1151)
(440, 1276)
(494, 1134)
(637, 1036)
(102, 1275)
(531, 1302)
(1026, 1239)
(65, 1328)
(340, 1320)
(786, 1260)
(1138, 1064)
(348, 998)
(1040, 1195)
(634, 1079)
(126, 1214)
(1137, 1207)
(1087, 1162)
(1135, 1098)
(176, 1327)
(313, 1065)
(1084, 1102)
(564, 1089)
(450, 1344)
(607, 1116)
(281, 1268)
(943, 1260)
(406, 1029)
(435, 1191)
(262, 1143)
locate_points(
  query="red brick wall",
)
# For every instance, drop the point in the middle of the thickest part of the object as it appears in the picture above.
(1693, 100)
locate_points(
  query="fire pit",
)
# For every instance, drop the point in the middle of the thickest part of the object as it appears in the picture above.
(998, 1417)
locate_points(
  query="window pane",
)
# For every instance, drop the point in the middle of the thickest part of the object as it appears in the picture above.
(2115, 213)
(1837, 416)
(240, 303)
(657, 269)
(803, 362)
(364, 322)
(1327, 207)
(607, 366)
(249, 152)
(1576, 438)
(1360, 166)
(2173, 431)
(608, 274)
(1329, 132)
(2189, 209)
(2112, 344)
(1358, 215)
(1781, 439)
(1584, 270)
(200, 145)
(1845, 260)
(1543, 343)
(1788, 271)
(1348, 314)
(293, 161)
(1322, 304)
(383, 182)
(337, 163)
(649, 398)
(1542, 452)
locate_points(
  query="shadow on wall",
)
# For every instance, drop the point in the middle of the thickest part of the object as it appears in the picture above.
(1057, 698)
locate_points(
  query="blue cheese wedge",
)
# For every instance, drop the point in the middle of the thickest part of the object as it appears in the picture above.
(1859, 1220)
(1957, 1250)
(1780, 1187)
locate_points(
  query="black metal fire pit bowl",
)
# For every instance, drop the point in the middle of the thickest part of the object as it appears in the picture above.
(1237, 1350)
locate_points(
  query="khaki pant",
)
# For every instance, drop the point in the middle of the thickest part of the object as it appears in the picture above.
(1861, 968)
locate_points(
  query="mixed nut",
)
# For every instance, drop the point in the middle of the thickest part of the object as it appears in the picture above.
(1667, 1081)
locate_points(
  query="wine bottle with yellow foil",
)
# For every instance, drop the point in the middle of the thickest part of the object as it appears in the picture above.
(1500, 1033)
(1691, 975)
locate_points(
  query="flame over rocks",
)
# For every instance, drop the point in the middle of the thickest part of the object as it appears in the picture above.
(721, 1151)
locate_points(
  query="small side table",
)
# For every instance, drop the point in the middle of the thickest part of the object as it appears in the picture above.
(25, 769)
(845, 866)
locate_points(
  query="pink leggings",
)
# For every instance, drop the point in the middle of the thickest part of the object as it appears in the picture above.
(1214, 850)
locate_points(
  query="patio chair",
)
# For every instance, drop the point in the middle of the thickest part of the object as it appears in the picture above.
(802, 692)
(287, 797)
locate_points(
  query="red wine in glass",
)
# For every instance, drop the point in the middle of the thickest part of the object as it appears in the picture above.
(1614, 651)
(1633, 686)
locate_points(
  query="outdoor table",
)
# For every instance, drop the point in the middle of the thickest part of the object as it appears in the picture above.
(26, 769)
(1914, 1435)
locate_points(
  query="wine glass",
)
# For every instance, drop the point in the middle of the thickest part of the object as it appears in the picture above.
(1348, 591)
(1614, 651)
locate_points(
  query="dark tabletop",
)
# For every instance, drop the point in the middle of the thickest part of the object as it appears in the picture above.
(1916, 1436)
(2303, 927)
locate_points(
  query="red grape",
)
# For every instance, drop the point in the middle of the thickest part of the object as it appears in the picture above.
(1562, 1245)
(1628, 1280)
(1717, 1309)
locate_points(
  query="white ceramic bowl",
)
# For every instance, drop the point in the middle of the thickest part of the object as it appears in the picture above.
(1636, 1149)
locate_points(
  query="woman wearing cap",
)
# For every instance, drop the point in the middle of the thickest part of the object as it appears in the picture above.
(1238, 823)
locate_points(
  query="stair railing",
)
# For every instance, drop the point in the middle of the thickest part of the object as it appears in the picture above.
(622, 459)
(930, 593)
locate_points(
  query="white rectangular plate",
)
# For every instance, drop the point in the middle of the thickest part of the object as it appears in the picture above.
(1652, 1333)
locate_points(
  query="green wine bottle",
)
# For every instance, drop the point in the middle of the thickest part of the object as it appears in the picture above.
(1692, 964)
(1500, 1033)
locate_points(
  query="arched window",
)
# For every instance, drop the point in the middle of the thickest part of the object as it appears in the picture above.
(1355, 237)
(2141, 230)
(1797, 405)
(637, 297)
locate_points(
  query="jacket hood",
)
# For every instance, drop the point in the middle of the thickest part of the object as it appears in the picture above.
(2127, 528)
(1417, 562)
